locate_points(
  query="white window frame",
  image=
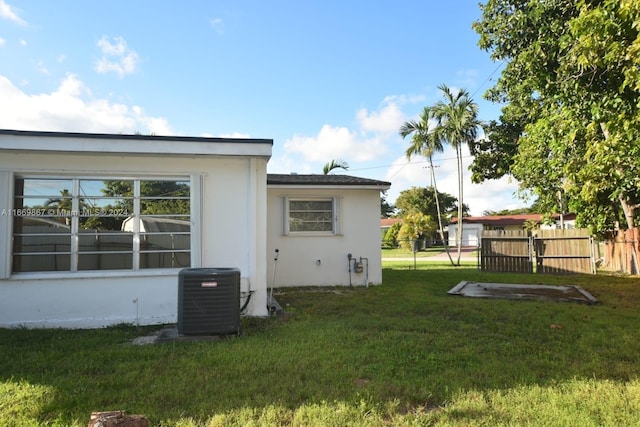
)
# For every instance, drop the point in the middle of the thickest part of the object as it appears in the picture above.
(195, 188)
(336, 228)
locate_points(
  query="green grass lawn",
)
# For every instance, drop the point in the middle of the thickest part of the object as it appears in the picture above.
(401, 354)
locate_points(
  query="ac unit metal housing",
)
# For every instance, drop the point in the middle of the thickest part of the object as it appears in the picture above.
(209, 301)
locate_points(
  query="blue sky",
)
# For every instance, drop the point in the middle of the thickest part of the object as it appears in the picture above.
(324, 79)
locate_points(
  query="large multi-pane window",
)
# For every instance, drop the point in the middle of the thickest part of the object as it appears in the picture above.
(314, 216)
(77, 224)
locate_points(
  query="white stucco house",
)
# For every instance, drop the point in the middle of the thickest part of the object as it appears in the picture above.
(325, 228)
(95, 228)
(69, 255)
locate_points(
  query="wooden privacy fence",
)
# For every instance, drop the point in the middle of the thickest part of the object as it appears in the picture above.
(564, 251)
(507, 251)
(622, 250)
(554, 251)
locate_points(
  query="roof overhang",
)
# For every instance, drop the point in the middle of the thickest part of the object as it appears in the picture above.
(331, 187)
(98, 143)
(326, 182)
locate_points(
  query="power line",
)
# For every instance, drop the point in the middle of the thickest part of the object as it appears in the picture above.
(488, 78)
(408, 163)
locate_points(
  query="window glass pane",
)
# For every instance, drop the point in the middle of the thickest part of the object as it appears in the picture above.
(165, 197)
(36, 225)
(108, 261)
(42, 197)
(61, 200)
(165, 224)
(47, 213)
(105, 206)
(168, 241)
(165, 189)
(94, 224)
(295, 225)
(51, 262)
(105, 242)
(311, 205)
(43, 188)
(41, 207)
(311, 215)
(50, 243)
(106, 188)
(165, 260)
(106, 198)
(90, 188)
(165, 207)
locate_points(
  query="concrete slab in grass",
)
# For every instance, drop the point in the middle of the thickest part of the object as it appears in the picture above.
(568, 293)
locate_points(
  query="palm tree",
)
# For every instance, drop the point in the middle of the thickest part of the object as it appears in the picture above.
(335, 164)
(456, 123)
(63, 205)
(425, 143)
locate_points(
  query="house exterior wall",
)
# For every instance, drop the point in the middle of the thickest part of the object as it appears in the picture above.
(470, 234)
(228, 205)
(306, 260)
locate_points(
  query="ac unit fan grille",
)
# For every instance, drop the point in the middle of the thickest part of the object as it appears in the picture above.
(209, 301)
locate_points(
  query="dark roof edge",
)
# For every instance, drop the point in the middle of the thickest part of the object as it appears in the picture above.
(319, 180)
(54, 134)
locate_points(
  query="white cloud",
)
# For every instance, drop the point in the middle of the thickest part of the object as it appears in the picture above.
(23, 42)
(7, 12)
(386, 120)
(70, 108)
(467, 78)
(489, 195)
(2, 41)
(335, 142)
(238, 135)
(218, 25)
(116, 57)
(363, 144)
(42, 68)
(492, 195)
(234, 135)
(155, 125)
(290, 164)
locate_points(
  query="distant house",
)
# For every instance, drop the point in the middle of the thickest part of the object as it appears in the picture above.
(316, 222)
(472, 226)
(386, 223)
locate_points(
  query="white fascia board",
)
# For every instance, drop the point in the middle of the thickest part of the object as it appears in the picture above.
(136, 146)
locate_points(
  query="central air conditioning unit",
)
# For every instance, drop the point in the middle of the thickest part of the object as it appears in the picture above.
(209, 301)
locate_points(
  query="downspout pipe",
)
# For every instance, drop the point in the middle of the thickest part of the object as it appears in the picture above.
(366, 271)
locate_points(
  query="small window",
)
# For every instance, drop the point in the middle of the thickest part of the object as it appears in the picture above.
(311, 216)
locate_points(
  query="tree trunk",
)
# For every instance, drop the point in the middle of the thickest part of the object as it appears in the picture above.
(459, 234)
(629, 216)
(435, 193)
(629, 212)
(627, 209)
